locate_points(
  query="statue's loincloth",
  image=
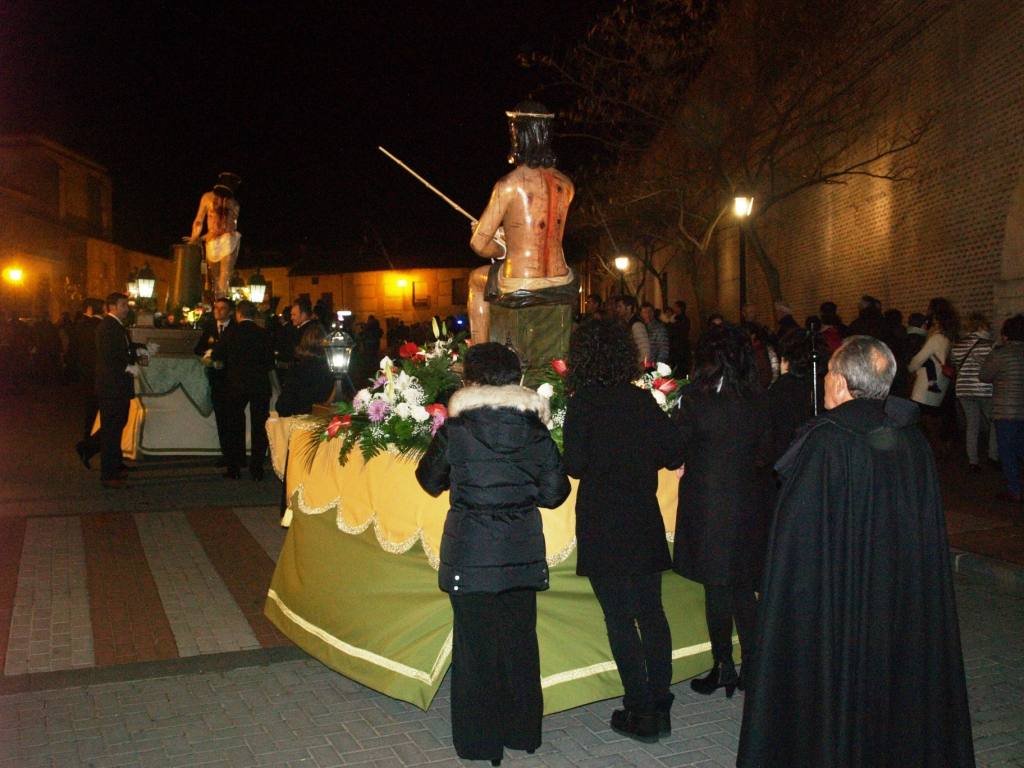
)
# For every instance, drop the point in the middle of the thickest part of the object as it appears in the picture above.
(520, 292)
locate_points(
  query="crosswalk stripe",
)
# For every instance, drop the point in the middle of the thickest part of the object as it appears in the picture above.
(12, 536)
(201, 610)
(243, 565)
(128, 619)
(50, 623)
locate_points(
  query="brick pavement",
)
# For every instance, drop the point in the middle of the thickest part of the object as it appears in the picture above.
(298, 713)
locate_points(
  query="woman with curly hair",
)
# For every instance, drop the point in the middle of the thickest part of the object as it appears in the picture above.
(616, 438)
(720, 528)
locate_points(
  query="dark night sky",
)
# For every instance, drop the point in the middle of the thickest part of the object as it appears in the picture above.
(295, 98)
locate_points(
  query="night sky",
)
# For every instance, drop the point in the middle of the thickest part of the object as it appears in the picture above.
(294, 98)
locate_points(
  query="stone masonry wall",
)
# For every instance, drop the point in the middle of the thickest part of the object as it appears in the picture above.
(942, 232)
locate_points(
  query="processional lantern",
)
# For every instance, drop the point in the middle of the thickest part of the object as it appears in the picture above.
(257, 287)
(338, 349)
(237, 287)
(146, 282)
(133, 284)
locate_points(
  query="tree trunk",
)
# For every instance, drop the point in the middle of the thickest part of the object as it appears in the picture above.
(768, 267)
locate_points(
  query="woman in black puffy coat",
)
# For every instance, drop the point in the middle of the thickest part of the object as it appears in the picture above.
(497, 458)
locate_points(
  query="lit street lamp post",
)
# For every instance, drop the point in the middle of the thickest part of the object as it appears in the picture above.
(622, 264)
(743, 206)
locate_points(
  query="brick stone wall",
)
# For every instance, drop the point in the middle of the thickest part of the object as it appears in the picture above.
(943, 232)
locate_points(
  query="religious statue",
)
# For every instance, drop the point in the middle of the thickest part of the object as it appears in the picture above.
(218, 208)
(521, 230)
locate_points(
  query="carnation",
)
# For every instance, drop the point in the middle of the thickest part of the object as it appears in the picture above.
(545, 390)
(360, 400)
(663, 370)
(418, 413)
(403, 410)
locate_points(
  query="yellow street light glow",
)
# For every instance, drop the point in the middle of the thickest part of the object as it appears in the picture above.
(14, 275)
(743, 206)
(401, 282)
(622, 263)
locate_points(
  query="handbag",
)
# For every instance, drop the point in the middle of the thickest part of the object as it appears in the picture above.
(949, 370)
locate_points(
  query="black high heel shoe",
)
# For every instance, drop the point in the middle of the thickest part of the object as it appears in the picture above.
(722, 675)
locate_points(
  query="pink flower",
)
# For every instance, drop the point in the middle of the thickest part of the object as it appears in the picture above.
(438, 414)
(377, 410)
(560, 366)
(666, 385)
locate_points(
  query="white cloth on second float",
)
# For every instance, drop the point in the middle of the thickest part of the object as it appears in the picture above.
(222, 246)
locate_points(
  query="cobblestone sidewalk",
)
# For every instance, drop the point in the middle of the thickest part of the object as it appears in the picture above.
(299, 713)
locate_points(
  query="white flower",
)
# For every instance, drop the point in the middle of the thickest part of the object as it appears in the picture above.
(663, 370)
(419, 413)
(360, 400)
(403, 381)
(385, 363)
(659, 397)
(558, 417)
(545, 390)
(413, 394)
(403, 410)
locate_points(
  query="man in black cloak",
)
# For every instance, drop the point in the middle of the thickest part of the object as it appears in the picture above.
(858, 660)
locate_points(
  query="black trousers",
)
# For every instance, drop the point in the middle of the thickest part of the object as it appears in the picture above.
(220, 410)
(724, 603)
(91, 407)
(639, 637)
(113, 417)
(496, 696)
(233, 422)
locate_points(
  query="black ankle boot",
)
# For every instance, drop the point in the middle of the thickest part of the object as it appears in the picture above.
(722, 675)
(640, 726)
(664, 710)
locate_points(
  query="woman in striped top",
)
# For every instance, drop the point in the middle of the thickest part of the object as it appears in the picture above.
(975, 396)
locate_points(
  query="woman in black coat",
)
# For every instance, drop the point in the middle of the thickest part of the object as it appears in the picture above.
(309, 380)
(791, 396)
(616, 439)
(720, 531)
(496, 456)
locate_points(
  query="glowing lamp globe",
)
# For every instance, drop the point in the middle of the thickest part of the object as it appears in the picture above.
(338, 349)
(146, 282)
(257, 288)
(743, 206)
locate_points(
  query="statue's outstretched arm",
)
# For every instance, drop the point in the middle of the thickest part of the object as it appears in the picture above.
(197, 225)
(483, 240)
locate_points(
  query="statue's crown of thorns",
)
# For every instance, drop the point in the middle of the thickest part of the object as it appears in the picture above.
(542, 115)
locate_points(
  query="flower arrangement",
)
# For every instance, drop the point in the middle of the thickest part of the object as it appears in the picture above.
(664, 388)
(400, 409)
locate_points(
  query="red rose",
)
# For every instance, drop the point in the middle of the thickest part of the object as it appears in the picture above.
(666, 385)
(337, 424)
(436, 408)
(408, 350)
(560, 366)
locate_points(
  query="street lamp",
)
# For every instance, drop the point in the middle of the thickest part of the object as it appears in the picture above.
(742, 207)
(14, 275)
(257, 287)
(133, 284)
(622, 264)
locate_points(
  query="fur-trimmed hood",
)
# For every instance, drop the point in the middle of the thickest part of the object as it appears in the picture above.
(509, 396)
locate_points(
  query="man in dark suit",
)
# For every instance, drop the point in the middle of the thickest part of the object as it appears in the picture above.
(82, 353)
(213, 327)
(248, 358)
(115, 387)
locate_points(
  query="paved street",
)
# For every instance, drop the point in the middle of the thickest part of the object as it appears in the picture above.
(131, 634)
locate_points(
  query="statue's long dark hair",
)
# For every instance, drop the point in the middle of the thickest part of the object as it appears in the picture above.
(531, 137)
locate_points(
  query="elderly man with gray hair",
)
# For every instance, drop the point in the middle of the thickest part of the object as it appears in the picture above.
(859, 660)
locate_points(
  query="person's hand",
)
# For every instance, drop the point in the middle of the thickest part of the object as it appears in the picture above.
(681, 471)
(132, 369)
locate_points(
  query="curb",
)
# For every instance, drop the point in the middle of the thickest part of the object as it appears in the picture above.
(1008, 576)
